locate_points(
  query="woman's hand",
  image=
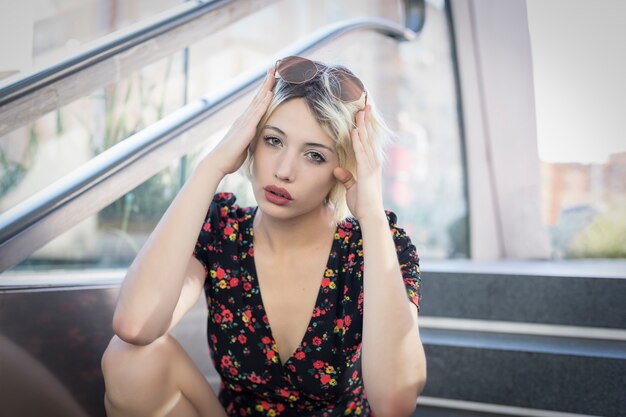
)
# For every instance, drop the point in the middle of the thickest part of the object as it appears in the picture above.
(364, 193)
(231, 152)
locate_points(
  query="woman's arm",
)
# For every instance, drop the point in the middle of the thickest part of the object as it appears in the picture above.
(393, 359)
(392, 355)
(152, 287)
(153, 282)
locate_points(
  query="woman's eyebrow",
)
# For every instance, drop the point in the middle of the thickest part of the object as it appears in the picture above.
(320, 145)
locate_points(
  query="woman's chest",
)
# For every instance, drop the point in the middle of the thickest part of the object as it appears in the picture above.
(288, 327)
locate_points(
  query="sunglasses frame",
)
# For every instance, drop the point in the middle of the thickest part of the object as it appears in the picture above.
(359, 83)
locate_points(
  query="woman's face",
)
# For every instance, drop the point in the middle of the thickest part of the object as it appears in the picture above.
(292, 153)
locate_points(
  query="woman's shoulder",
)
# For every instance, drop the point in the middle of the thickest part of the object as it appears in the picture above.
(224, 204)
(225, 218)
(352, 224)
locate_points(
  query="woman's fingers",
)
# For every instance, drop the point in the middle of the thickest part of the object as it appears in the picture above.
(364, 139)
(345, 177)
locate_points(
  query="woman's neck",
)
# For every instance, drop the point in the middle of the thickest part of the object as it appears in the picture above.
(302, 232)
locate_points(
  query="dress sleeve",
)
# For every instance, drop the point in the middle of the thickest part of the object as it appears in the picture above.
(217, 227)
(408, 259)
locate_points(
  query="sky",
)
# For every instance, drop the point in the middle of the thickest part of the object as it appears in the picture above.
(579, 69)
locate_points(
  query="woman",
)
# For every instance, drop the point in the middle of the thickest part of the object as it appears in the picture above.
(310, 145)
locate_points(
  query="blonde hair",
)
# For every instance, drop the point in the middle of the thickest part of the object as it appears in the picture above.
(335, 117)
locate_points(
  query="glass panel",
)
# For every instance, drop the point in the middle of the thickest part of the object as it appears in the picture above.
(580, 109)
(113, 237)
(34, 156)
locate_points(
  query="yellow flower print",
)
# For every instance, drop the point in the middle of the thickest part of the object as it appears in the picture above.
(358, 411)
(259, 407)
(332, 286)
(271, 413)
(223, 284)
(245, 318)
(213, 274)
(232, 237)
(333, 382)
(329, 272)
(330, 369)
(336, 236)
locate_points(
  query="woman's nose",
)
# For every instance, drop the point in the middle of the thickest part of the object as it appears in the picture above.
(285, 168)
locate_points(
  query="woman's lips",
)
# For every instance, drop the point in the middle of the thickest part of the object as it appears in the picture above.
(277, 195)
(276, 199)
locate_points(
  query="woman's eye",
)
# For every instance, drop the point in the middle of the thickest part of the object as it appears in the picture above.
(272, 140)
(316, 157)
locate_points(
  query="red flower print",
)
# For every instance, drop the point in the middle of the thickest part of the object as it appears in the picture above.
(342, 233)
(280, 407)
(217, 318)
(355, 375)
(234, 371)
(226, 361)
(227, 316)
(318, 364)
(339, 323)
(207, 227)
(300, 355)
(347, 320)
(325, 379)
(270, 354)
(317, 341)
(234, 282)
(247, 286)
(219, 273)
(266, 340)
(228, 230)
(242, 338)
(325, 282)
(254, 378)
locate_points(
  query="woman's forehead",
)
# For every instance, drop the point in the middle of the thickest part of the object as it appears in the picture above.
(293, 119)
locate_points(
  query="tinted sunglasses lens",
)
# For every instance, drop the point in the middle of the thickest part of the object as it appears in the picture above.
(345, 86)
(294, 69)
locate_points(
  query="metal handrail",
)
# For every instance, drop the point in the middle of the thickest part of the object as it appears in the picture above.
(115, 56)
(32, 223)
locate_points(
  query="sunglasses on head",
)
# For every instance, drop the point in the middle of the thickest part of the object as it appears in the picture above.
(343, 86)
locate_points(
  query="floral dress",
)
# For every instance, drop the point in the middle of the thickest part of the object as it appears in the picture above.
(323, 376)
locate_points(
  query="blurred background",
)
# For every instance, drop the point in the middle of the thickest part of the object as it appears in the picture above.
(510, 161)
(579, 104)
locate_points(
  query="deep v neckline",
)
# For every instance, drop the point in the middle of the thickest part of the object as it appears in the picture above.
(320, 292)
